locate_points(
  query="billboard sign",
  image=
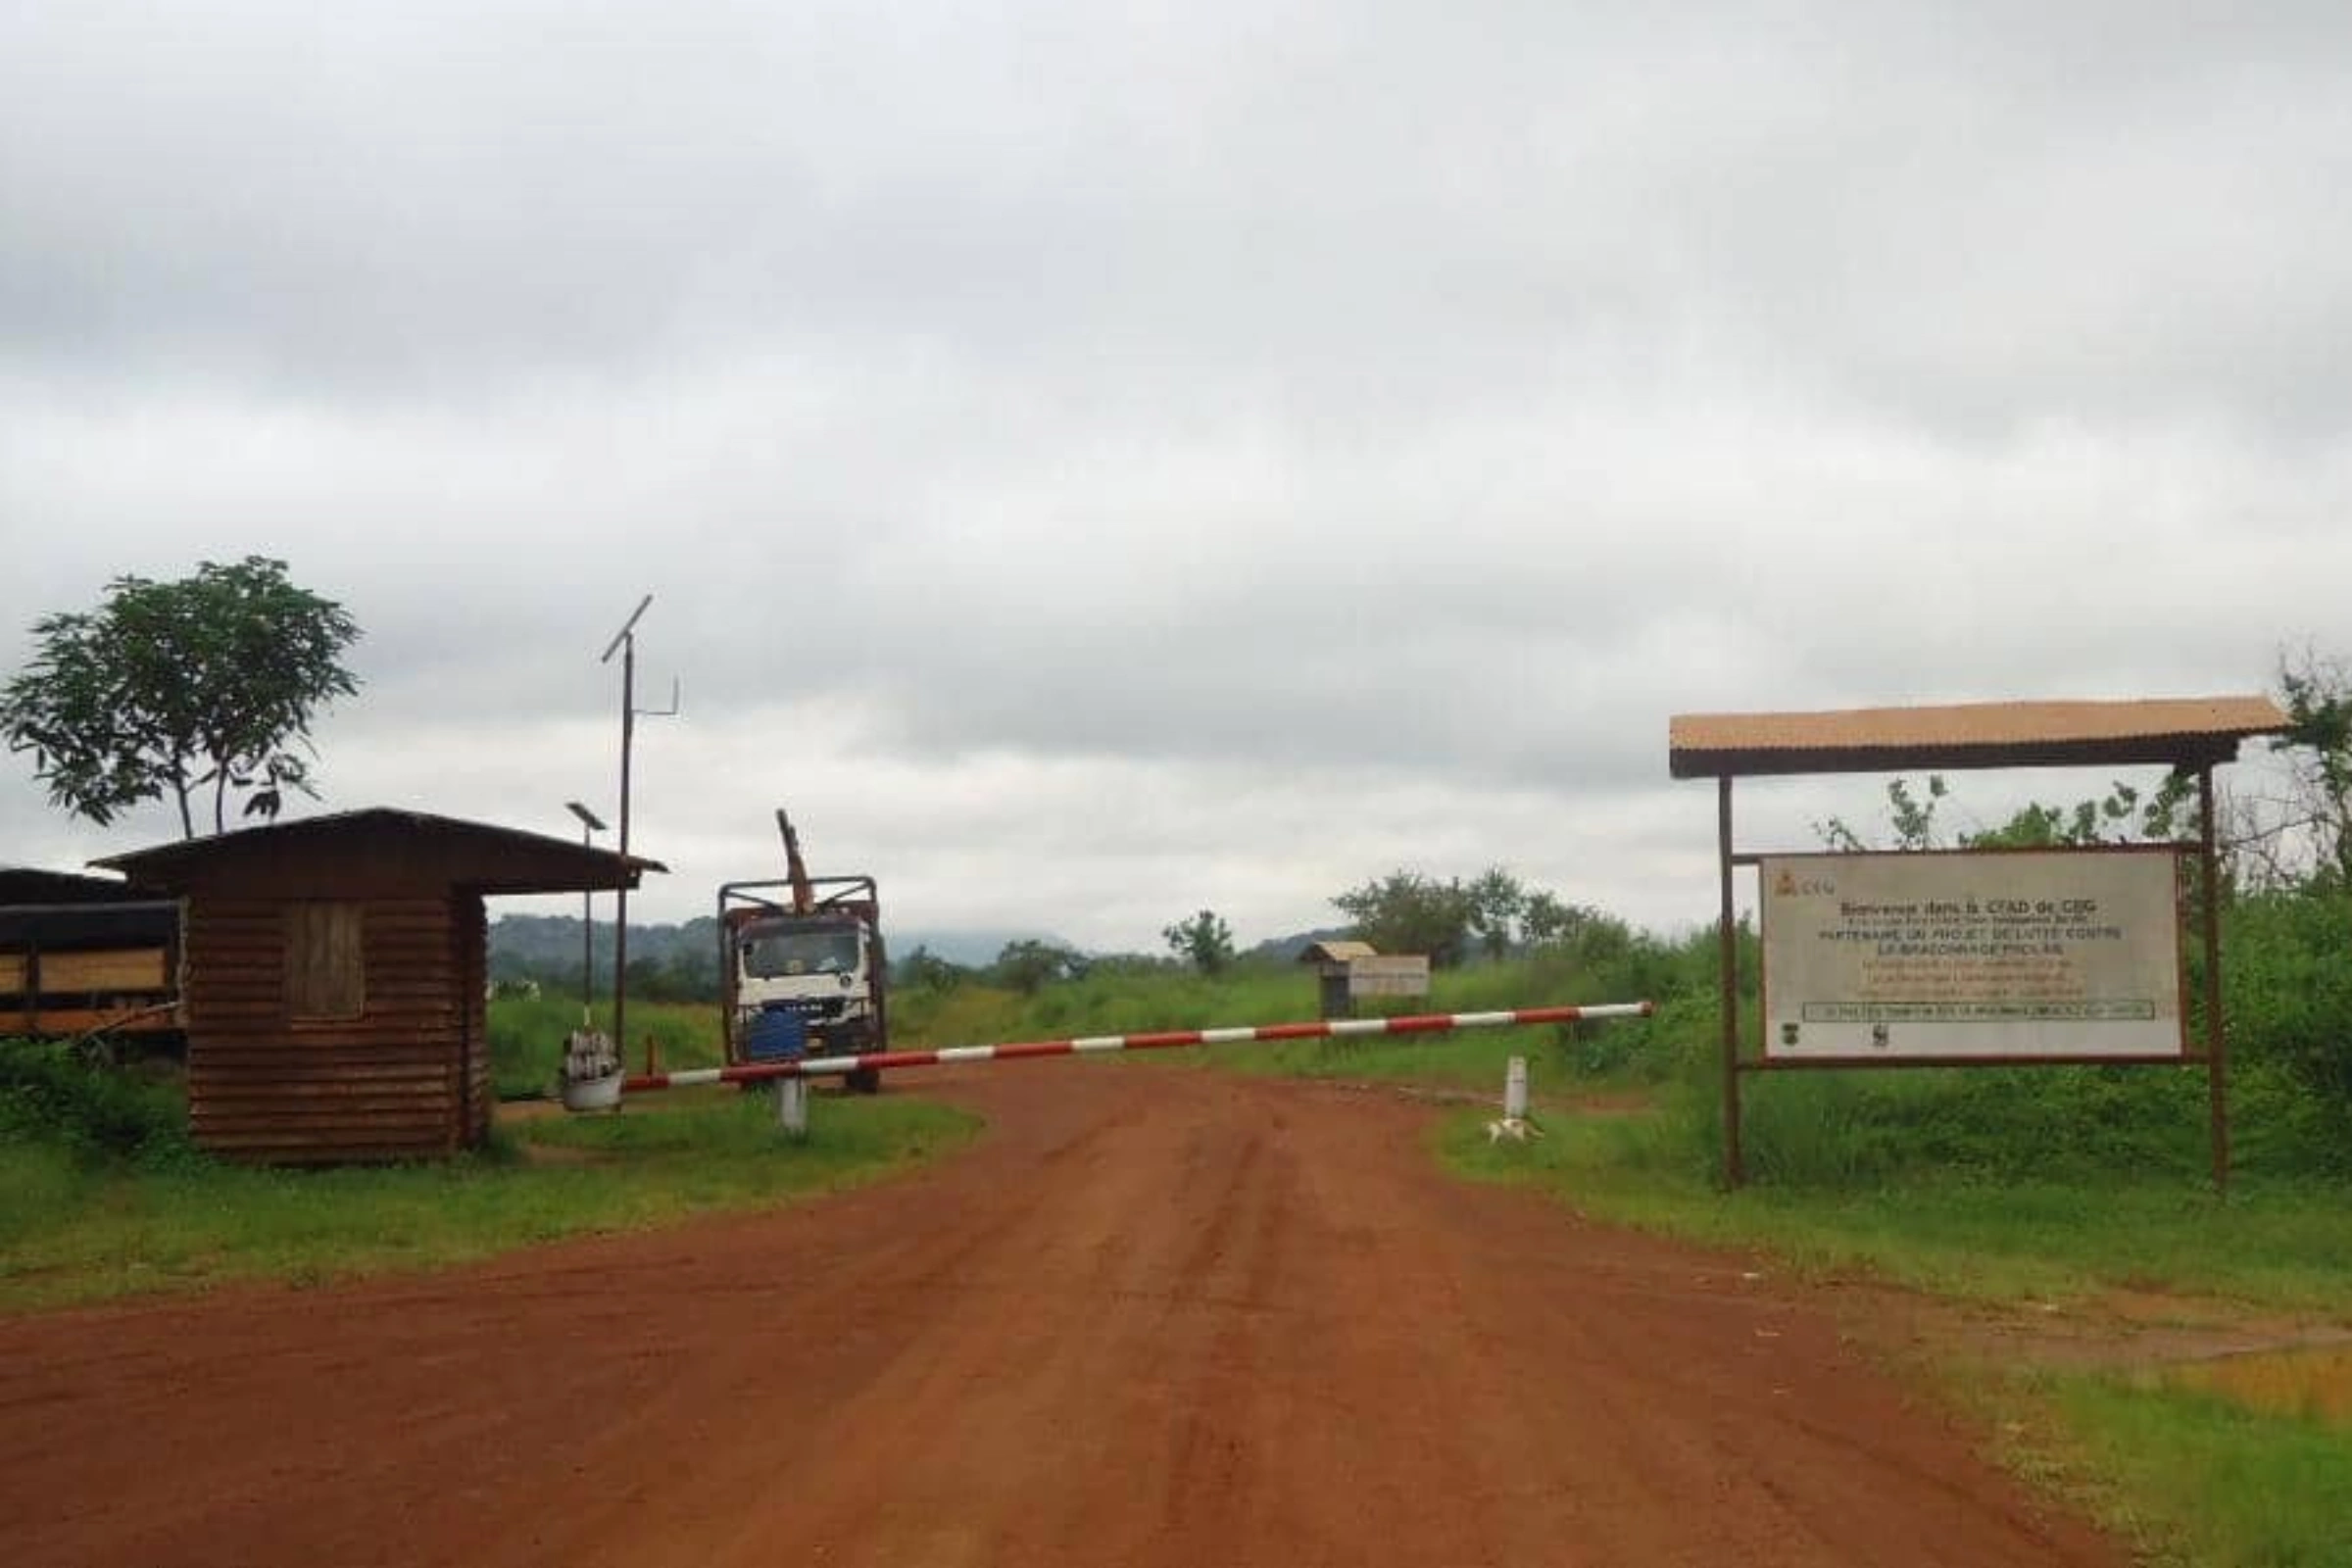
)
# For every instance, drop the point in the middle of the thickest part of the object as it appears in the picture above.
(1389, 974)
(1992, 955)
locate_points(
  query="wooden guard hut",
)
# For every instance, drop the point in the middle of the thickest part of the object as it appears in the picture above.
(1331, 959)
(333, 975)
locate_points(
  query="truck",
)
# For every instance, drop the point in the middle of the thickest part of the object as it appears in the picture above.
(85, 957)
(802, 966)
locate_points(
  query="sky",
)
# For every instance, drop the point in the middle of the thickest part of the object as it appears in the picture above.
(1096, 462)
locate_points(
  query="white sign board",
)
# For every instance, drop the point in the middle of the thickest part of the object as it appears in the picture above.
(1992, 956)
(1393, 975)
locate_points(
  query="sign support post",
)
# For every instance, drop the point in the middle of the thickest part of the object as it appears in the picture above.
(1733, 1173)
(2216, 1064)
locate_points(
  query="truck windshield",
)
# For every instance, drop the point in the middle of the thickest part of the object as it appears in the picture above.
(770, 955)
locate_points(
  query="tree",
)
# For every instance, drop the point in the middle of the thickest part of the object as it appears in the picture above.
(1029, 965)
(1591, 936)
(2317, 810)
(1206, 942)
(1912, 818)
(197, 687)
(2120, 817)
(1406, 912)
(1497, 905)
(925, 970)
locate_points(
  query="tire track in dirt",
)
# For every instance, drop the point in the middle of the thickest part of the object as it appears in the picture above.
(1157, 1316)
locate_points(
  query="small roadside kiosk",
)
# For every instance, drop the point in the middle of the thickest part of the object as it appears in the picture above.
(333, 978)
(1347, 969)
(1917, 958)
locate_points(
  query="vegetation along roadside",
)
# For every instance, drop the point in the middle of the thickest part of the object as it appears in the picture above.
(102, 1195)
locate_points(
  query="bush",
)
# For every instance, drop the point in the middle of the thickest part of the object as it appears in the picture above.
(51, 1094)
(2289, 958)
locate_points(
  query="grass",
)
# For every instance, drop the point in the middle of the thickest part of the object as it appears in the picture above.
(2193, 1477)
(528, 1033)
(2276, 1244)
(75, 1232)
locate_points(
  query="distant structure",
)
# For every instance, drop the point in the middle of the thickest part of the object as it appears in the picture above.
(1349, 969)
(332, 977)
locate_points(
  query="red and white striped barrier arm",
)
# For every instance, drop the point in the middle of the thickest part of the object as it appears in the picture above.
(1428, 1024)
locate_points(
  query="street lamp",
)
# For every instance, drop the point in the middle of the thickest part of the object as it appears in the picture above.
(590, 822)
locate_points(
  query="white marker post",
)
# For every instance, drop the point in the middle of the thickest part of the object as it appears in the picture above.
(791, 1106)
(1514, 1090)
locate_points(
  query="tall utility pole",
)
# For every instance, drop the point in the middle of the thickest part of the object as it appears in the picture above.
(625, 642)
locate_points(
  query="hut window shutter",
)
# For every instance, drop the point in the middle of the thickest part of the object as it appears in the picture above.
(326, 976)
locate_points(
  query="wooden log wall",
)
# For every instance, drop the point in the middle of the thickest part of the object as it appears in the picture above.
(397, 1081)
(471, 931)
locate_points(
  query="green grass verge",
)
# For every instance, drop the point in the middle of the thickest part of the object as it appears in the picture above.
(2278, 1245)
(74, 1232)
(2192, 1479)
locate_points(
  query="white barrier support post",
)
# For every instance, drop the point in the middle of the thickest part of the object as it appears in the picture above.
(791, 1106)
(1514, 1090)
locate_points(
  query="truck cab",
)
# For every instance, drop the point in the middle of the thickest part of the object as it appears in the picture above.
(804, 982)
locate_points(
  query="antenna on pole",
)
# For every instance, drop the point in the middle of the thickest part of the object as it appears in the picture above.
(625, 642)
(628, 627)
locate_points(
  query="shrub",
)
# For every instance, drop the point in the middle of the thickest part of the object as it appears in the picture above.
(52, 1094)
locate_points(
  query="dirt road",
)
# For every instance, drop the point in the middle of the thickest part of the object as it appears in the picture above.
(1158, 1316)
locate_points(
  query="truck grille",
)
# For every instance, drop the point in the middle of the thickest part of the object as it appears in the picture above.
(813, 1009)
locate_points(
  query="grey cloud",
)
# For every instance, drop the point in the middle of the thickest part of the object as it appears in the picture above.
(1079, 450)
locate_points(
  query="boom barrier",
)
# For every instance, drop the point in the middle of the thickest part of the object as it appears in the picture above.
(1429, 1023)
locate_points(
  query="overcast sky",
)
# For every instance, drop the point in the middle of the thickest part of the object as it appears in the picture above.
(1094, 461)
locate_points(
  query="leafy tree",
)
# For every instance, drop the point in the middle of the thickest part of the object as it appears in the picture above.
(197, 687)
(1029, 965)
(1497, 905)
(1206, 942)
(1406, 912)
(2315, 815)
(1590, 935)
(2120, 817)
(2117, 819)
(1912, 817)
(925, 970)
(1546, 918)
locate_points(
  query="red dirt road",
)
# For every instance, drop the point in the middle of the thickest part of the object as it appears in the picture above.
(1157, 1317)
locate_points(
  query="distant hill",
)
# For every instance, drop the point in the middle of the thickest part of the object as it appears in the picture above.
(546, 945)
(1286, 950)
(543, 945)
